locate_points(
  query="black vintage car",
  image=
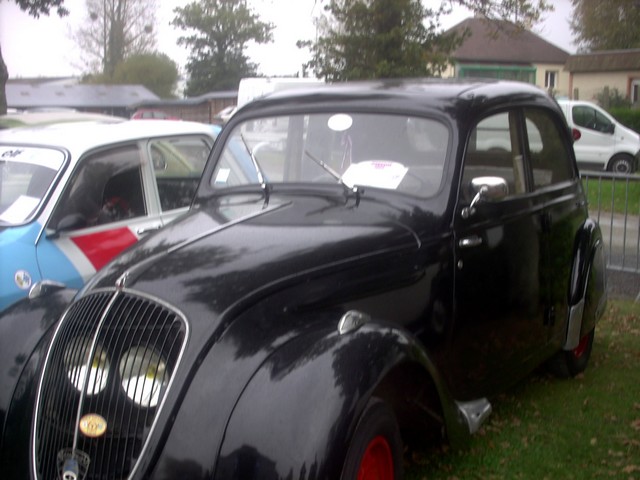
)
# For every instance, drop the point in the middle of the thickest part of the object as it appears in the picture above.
(364, 266)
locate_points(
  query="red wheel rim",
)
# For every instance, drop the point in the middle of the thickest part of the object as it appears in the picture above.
(582, 347)
(377, 461)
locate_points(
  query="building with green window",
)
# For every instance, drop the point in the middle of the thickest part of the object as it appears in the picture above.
(498, 49)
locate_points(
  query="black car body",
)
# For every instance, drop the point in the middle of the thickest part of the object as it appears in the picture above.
(298, 325)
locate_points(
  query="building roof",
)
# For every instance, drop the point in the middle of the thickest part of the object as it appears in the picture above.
(494, 41)
(604, 61)
(37, 95)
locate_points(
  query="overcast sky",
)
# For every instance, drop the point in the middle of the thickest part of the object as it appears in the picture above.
(43, 47)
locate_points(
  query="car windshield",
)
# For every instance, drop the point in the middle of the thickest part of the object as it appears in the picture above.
(26, 174)
(393, 152)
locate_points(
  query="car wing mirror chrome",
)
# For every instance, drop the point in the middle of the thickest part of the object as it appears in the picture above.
(44, 288)
(486, 189)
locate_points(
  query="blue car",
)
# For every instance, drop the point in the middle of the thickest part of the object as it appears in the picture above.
(73, 196)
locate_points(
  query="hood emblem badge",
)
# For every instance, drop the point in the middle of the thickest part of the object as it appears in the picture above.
(92, 425)
(73, 464)
(121, 282)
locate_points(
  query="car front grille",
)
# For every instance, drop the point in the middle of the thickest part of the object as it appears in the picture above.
(107, 372)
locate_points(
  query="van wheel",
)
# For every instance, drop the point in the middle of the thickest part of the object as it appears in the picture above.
(375, 451)
(622, 163)
(567, 364)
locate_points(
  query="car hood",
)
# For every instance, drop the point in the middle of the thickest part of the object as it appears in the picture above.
(227, 253)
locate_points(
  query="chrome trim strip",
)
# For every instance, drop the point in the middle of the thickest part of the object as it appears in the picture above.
(574, 326)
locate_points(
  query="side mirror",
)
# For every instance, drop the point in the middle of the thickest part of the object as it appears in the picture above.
(72, 221)
(487, 189)
(611, 128)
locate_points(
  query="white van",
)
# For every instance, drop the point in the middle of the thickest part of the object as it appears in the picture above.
(600, 141)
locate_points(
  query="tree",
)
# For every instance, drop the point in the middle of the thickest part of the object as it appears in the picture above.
(115, 30)
(610, 25)
(362, 39)
(217, 34)
(35, 8)
(156, 71)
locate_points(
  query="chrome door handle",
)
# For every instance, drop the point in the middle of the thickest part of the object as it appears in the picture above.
(468, 242)
(143, 231)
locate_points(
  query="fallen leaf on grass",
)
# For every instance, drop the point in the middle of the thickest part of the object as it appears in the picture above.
(636, 424)
(631, 469)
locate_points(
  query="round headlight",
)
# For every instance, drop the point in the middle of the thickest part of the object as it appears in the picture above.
(88, 375)
(144, 375)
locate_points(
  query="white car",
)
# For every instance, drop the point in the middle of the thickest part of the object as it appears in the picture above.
(73, 196)
(600, 141)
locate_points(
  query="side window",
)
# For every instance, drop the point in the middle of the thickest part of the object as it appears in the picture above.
(549, 153)
(105, 188)
(590, 118)
(178, 164)
(494, 150)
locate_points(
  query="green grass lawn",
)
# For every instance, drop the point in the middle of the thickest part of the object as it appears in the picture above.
(546, 428)
(617, 196)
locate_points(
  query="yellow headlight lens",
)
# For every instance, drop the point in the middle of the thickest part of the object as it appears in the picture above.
(88, 375)
(144, 375)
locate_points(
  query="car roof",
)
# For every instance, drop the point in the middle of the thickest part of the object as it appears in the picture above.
(405, 94)
(79, 137)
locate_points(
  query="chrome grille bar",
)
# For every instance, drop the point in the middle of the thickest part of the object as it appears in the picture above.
(113, 356)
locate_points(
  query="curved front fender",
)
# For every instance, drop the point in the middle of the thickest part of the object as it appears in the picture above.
(25, 330)
(298, 412)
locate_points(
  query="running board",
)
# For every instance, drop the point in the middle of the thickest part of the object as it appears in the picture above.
(474, 413)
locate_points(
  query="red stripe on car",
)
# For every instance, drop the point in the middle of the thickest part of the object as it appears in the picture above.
(101, 247)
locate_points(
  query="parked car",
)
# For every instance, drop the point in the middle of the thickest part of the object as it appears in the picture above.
(356, 273)
(152, 114)
(601, 142)
(72, 196)
(32, 118)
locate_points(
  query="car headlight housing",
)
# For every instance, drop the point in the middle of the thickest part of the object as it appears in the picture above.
(144, 375)
(85, 374)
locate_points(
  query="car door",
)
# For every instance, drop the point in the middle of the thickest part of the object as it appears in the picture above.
(556, 186)
(177, 163)
(103, 210)
(499, 263)
(597, 142)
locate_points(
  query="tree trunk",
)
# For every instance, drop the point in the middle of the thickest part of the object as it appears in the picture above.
(4, 76)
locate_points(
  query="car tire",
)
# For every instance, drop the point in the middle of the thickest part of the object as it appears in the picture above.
(567, 364)
(622, 163)
(375, 450)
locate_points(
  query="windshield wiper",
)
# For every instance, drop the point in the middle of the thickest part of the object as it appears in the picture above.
(261, 177)
(349, 189)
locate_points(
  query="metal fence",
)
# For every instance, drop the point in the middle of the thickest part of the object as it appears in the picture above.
(614, 200)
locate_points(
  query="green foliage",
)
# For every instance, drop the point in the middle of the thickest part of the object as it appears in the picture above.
(35, 8)
(609, 25)
(364, 39)
(586, 427)
(156, 71)
(380, 39)
(629, 117)
(217, 32)
(612, 98)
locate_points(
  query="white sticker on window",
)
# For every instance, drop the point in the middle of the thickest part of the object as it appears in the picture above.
(19, 210)
(375, 173)
(340, 122)
(223, 175)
